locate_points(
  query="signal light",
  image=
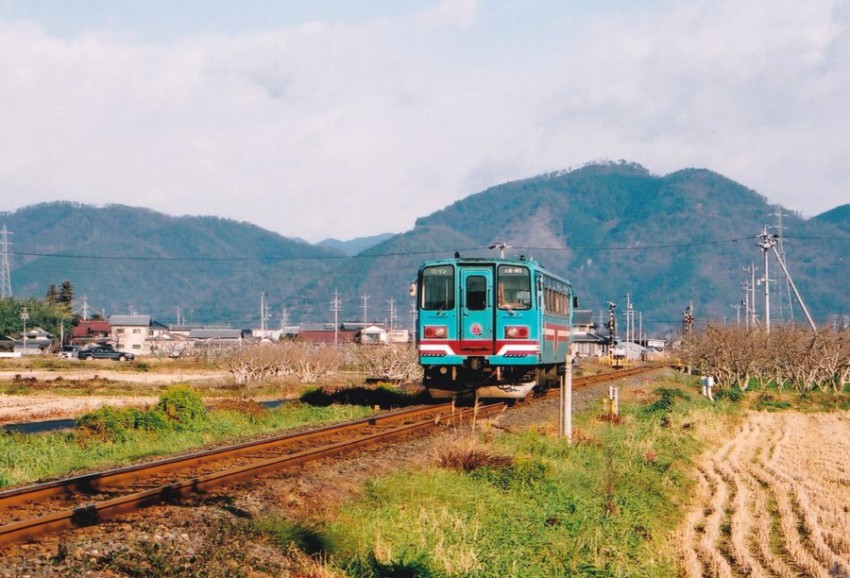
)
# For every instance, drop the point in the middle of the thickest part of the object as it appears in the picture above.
(435, 331)
(516, 332)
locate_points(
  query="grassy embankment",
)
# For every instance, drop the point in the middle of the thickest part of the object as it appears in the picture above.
(528, 504)
(177, 422)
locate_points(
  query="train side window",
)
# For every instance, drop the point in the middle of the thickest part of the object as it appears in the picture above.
(514, 287)
(476, 293)
(438, 288)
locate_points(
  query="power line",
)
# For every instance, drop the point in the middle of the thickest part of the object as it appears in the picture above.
(572, 248)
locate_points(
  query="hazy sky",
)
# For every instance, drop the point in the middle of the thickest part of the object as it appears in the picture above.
(346, 118)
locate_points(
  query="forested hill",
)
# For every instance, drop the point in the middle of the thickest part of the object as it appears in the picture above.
(838, 217)
(616, 229)
(125, 259)
(613, 229)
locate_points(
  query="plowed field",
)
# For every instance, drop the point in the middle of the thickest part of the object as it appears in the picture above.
(774, 500)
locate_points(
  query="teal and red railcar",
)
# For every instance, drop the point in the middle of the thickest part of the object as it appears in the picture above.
(496, 327)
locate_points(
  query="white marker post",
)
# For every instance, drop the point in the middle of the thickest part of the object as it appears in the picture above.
(566, 414)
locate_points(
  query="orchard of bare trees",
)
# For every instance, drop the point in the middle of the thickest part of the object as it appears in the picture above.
(787, 357)
(311, 361)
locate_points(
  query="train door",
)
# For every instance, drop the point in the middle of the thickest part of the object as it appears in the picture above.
(476, 311)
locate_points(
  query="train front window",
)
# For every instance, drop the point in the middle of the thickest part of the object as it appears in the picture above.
(438, 288)
(476, 293)
(514, 287)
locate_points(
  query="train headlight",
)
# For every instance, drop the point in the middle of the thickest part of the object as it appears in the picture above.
(516, 332)
(435, 331)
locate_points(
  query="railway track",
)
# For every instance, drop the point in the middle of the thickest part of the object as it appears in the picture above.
(29, 512)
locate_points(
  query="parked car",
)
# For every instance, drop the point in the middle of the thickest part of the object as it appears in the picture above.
(105, 352)
(69, 352)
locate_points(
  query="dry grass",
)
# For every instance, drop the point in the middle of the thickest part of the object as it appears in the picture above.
(773, 500)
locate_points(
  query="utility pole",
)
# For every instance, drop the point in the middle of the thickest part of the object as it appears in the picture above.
(391, 301)
(336, 307)
(641, 340)
(25, 314)
(630, 319)
(262, 314)
(784, 285)
(750, 293)
(612, 323)
(794, 287)
(766, 242)
(737, 308)
(501, 245)
(365, 307)
(5, 273)
(85, 308)
(688, 320)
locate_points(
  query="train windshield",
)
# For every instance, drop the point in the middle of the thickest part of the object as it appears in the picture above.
(438, 287)
(514, 287)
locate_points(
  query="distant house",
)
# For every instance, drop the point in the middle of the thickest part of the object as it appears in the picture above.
(324, 333)
(36, 342)
(216, 334)
(91, 331)
(136, 333)
(373, 335)
(586, 341)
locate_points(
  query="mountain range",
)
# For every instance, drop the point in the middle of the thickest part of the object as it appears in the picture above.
(618, 232)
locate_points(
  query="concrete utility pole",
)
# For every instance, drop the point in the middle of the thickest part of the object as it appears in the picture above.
(630, 319)
(391, 301)
(769, 242)
(784, 285)
(263, 313)
(25, 314)
(766, 241)
(5, 273)
(750, 292)
(336, 307)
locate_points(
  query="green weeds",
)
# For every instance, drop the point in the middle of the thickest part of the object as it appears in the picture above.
(177, 422)
(530, 504)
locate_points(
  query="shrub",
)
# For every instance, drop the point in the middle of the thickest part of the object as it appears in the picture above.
(106, 423)
(182, 405)
(150, 420)
(666, 400)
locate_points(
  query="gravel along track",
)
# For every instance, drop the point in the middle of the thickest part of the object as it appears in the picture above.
(774, 500)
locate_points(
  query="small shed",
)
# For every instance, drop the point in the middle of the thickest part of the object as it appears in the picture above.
(374, 335)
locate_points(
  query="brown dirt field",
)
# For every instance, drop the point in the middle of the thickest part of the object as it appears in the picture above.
(44, 405)
(774, 500)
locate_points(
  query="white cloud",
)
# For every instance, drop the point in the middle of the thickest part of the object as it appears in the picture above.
(355, 128)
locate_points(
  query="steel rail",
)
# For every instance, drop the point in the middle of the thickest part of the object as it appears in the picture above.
(92, 482)
(96, 512)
